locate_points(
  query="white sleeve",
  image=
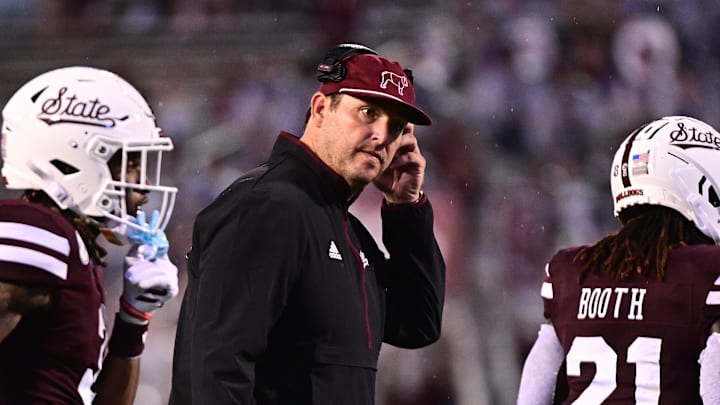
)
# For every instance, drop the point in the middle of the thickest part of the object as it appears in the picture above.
(537, 384)
(710, 370)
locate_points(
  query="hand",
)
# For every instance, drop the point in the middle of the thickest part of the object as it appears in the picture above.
(147, 285)
(402, 181)
(147, 241)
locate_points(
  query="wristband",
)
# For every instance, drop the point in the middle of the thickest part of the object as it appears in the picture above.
(128, 339)
(131, 310)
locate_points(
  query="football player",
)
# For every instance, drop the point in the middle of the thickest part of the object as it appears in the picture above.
(83, 146)
(633, 318)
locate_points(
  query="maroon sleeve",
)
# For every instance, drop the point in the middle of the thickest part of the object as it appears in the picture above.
(35, 244)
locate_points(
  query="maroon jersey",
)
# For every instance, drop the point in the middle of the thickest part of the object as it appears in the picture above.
(51, 356)
(634, 341)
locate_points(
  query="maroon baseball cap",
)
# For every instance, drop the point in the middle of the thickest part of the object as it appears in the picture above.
(372, 76)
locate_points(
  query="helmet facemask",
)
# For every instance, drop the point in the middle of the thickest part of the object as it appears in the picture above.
(146, 161)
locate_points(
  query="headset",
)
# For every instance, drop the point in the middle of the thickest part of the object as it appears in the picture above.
(331, 69)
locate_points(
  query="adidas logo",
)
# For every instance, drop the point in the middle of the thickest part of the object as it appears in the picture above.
(333, 252)
(364, 259)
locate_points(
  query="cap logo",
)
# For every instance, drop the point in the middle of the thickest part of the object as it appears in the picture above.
(70, 109)
(388, 77)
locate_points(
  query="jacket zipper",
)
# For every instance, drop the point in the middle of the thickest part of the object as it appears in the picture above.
(363, 275)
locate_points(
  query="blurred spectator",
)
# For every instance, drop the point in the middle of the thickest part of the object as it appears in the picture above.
(528, 96)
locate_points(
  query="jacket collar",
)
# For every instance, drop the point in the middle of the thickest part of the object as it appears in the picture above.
(330, 182)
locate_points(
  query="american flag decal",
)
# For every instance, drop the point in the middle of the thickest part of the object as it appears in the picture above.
(640, 163)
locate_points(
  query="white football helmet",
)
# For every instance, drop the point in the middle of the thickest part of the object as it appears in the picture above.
(60, 130)
(674, 162)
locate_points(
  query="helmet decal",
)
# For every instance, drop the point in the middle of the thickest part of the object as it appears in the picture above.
(673, 162)
(640, 163)
(63, 109)
(687, 138)
(626, 155)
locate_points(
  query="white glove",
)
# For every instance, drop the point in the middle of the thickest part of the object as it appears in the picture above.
(150, 278)
(147, 286)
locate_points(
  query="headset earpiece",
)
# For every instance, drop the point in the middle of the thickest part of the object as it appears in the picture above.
(409, 74)
(331, 69)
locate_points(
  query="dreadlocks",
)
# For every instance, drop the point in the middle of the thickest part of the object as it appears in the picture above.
(642, 245)
(87, 230)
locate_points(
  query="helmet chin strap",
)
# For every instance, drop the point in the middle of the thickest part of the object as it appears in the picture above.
(53, 189)
(699, 205)
(114, 235)
(113, 231)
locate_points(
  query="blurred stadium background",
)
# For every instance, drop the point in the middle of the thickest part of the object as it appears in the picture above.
(528, 97)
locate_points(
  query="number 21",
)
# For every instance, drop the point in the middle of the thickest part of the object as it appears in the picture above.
(644, 352)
